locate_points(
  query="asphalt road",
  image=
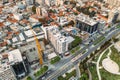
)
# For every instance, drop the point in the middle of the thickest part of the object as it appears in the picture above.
(64, 65)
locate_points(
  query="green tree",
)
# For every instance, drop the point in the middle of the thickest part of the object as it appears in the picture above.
(34, 9)
(29, 78)
(76, 42)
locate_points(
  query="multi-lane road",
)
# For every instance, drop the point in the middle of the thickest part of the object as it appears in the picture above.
(64, 65)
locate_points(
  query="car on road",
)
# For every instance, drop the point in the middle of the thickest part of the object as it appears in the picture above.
(67, 54)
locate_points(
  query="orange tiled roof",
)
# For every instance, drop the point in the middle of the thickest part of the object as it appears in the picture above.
(12, 20)
(10, 14)
(5, 55)
(17, 32)
(102, 17)
(3, 44)
(35, 16)
(53, 16)
(25, 21)
(61, 13)
(93, 9)
(1, 24)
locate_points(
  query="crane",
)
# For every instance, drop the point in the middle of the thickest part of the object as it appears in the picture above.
(38, 47)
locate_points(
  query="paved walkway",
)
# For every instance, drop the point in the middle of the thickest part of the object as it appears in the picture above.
(110, 66)
(98, 61)
(114, 69)
(90, 75)
(78, 71)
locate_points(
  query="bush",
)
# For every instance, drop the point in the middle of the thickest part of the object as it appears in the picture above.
(55, 59)
(68, 75)
(34, 9)
(29, 78)
(99, 40)
(41, 71)
(76, 42)
(75, 49)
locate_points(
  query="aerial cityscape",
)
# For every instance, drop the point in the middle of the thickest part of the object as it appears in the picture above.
(59, 39)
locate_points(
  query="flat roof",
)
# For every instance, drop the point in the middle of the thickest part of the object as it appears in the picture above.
(86, 19)
(52, 55)
(21, 37)
(15, 56)
(70, 39)
(29, 33)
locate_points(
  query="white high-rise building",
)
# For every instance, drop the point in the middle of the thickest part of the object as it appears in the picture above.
(58, 40)
(41, 11)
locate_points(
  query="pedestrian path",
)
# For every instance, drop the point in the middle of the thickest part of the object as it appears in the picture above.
(98, 61)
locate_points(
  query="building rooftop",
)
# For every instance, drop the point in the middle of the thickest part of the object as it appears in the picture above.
(15, 56)
(86, 19)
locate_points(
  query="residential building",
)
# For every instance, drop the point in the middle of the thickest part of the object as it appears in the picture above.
(54, 2)
(114, 15)
(41, 2)
(62, 20)
(113, 3)
(4, 1)
(101, 24)
(18, 16)
(58, 40)
(6, 72)
(39, 11)
(29, 2)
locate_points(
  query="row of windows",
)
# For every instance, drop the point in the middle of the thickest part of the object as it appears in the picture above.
(32, 49)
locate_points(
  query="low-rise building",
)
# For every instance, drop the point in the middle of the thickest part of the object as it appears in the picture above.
(18, 16)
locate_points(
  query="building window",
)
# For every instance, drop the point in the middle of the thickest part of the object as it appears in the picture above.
(34, 49)
(24, 52)
(30, 50)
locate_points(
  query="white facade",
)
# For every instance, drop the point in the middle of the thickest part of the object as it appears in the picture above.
(62, 20)
(59, 41)
(101, 24)
(54, 2)
(63, 45)
(41, 2)
(18, 16)
(41, 11)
